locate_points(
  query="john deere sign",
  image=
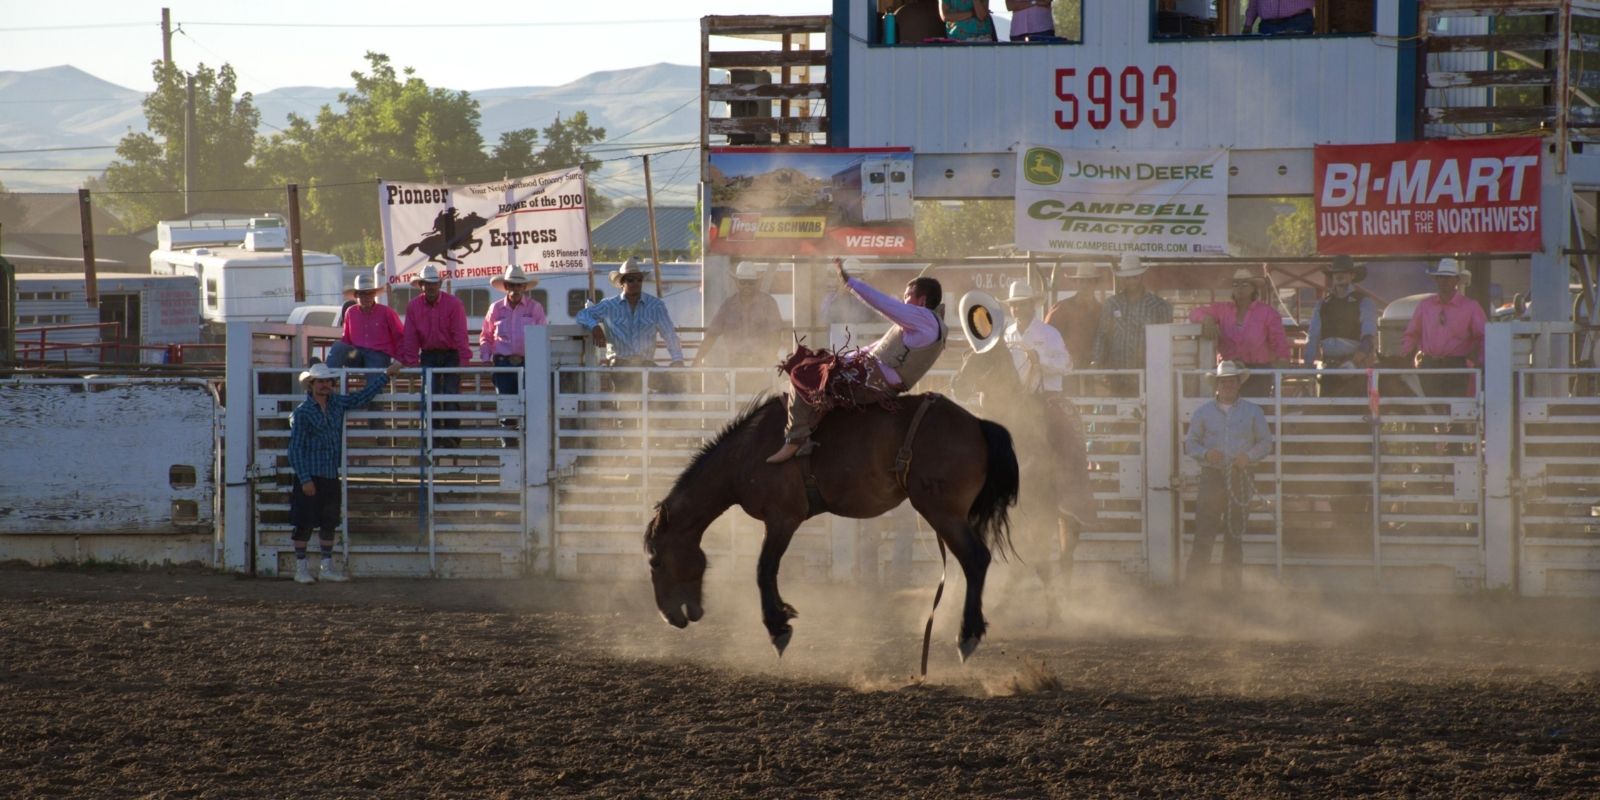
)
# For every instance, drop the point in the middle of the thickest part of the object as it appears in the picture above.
(1103, 201)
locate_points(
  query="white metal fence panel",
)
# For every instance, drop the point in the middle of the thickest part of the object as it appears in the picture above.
(1558, 453)
(1112, 404)
(431, 488)
(1346, 500)
(108, 469)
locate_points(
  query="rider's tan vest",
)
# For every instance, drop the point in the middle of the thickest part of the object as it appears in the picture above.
(910, 362)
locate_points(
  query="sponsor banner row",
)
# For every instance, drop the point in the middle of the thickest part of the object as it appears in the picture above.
(813, 202)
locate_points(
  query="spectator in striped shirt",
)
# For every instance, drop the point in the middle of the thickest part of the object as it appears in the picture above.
(626, 325)
(316, 452)
(372, 332)
(1119, 343)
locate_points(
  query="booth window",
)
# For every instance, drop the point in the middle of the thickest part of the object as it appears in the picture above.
(917, 22)
(1198, 19)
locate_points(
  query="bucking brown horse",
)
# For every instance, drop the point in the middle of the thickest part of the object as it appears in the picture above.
(961, 477)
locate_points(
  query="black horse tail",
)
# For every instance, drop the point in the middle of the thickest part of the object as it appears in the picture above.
(990, 514)
(411, 248)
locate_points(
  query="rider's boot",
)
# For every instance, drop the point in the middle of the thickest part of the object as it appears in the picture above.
(790, 450)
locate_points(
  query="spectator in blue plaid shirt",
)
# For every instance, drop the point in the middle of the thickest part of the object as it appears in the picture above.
(1119, 343)
(315, 455)
(626, 325)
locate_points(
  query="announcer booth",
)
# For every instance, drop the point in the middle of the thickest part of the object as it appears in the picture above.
(1335, 117)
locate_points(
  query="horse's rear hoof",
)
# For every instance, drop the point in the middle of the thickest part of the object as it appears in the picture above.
(675, 618)
(695, 611)
(966, 647)
(781, 641)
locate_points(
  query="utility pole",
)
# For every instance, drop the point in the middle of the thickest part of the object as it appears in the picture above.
(188, 144)
(650, 214)
(166, 36)
(297, 259)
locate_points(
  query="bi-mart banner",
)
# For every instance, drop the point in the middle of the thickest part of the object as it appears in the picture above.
(817, 201)
(472, 233)
(1428, 198)
(1111, 201)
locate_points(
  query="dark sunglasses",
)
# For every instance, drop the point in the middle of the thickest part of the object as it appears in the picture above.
(633, 279)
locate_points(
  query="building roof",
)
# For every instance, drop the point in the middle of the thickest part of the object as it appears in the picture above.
(630, 230)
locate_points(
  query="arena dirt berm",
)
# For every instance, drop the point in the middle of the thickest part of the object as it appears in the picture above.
(185, 683)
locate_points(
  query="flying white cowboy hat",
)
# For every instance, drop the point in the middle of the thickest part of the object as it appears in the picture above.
(629, 267)
(318, 371)
(362, 283)
(1131, 266)
(746, 271)
(983, 320)
(1231, 369)
(514, 274)
(1020, 292)
(428, 274)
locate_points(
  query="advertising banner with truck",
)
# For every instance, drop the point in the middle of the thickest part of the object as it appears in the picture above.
(812, 202)
(472, 233)
(1109, 202)
(1428, 198)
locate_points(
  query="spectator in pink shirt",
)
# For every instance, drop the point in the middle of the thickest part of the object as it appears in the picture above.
(501, 341)
(1281, 17)
(1446, 332)
(436, 335)
(372, 332)
(1247, 331)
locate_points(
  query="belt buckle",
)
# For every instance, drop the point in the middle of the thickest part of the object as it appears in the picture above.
(516, 361)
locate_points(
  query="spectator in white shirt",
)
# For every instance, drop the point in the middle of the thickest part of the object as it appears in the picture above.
(1038, 350)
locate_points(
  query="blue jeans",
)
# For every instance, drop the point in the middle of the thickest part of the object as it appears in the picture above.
(344, 354)
(1222, 506)
(443, 384)
(505, 382)
(1302, 23)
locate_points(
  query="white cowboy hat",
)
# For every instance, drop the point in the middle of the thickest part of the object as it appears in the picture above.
(1447, 268)
(1020, 292)
(1242, 275)
(629, 267)
(983, 320)
(318, 371)
(747, 271)
(428, 274)
(363, 283)
(1131, 266)
(513, 274)
(1231, 369)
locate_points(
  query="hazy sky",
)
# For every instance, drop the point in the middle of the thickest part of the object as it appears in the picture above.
(280, 43)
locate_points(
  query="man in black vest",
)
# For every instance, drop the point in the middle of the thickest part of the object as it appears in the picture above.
(1344, 330)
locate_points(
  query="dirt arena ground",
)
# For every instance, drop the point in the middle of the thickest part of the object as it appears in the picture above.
(176, 684)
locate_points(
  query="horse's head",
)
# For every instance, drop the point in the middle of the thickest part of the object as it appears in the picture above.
(677, 570)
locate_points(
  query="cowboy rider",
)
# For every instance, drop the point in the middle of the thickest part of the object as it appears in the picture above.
(892, 365)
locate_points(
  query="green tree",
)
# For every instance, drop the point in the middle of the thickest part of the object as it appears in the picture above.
(1293, 232)
(393, 125)
(149, 166)
(565, 146)
(960, 230)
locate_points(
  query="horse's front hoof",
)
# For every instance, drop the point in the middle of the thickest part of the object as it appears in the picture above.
(781, 641)
(695, 610)
(967, 646)
(675, 618)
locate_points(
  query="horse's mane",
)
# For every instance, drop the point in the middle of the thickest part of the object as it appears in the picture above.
(750, 411)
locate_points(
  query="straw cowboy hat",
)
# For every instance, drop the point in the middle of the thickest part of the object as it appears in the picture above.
(1131, 266)
(1347, 264)
(1243, 275)
(1231, 369)
(983, 320)
(1447, 268)
(629, 267)
(362, 283)
(1020, 292)
(428, 274)
(747, 271)
(318, 371)
(514, 274)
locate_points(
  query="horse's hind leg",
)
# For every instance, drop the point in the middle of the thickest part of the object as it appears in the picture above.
(775, 613)
(973, 555)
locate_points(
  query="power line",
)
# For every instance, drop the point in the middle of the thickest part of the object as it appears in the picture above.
(78, 27)
(435, 25)
(59, 149)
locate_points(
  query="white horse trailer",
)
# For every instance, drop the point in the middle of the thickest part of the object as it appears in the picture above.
(135, 317)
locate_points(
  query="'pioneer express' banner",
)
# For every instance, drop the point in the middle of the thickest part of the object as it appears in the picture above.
(1428, 198)
(1106, 201)
(472, 233)
(821, 201)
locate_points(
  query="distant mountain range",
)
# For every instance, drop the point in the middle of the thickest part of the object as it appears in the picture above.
(67, 107)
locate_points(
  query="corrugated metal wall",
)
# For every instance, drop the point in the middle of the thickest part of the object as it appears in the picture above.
(1241, 93)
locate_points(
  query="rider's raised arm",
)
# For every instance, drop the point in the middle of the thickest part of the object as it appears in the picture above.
(920, 324)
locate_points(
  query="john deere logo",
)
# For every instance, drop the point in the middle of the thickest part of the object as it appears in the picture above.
(1042, 166)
